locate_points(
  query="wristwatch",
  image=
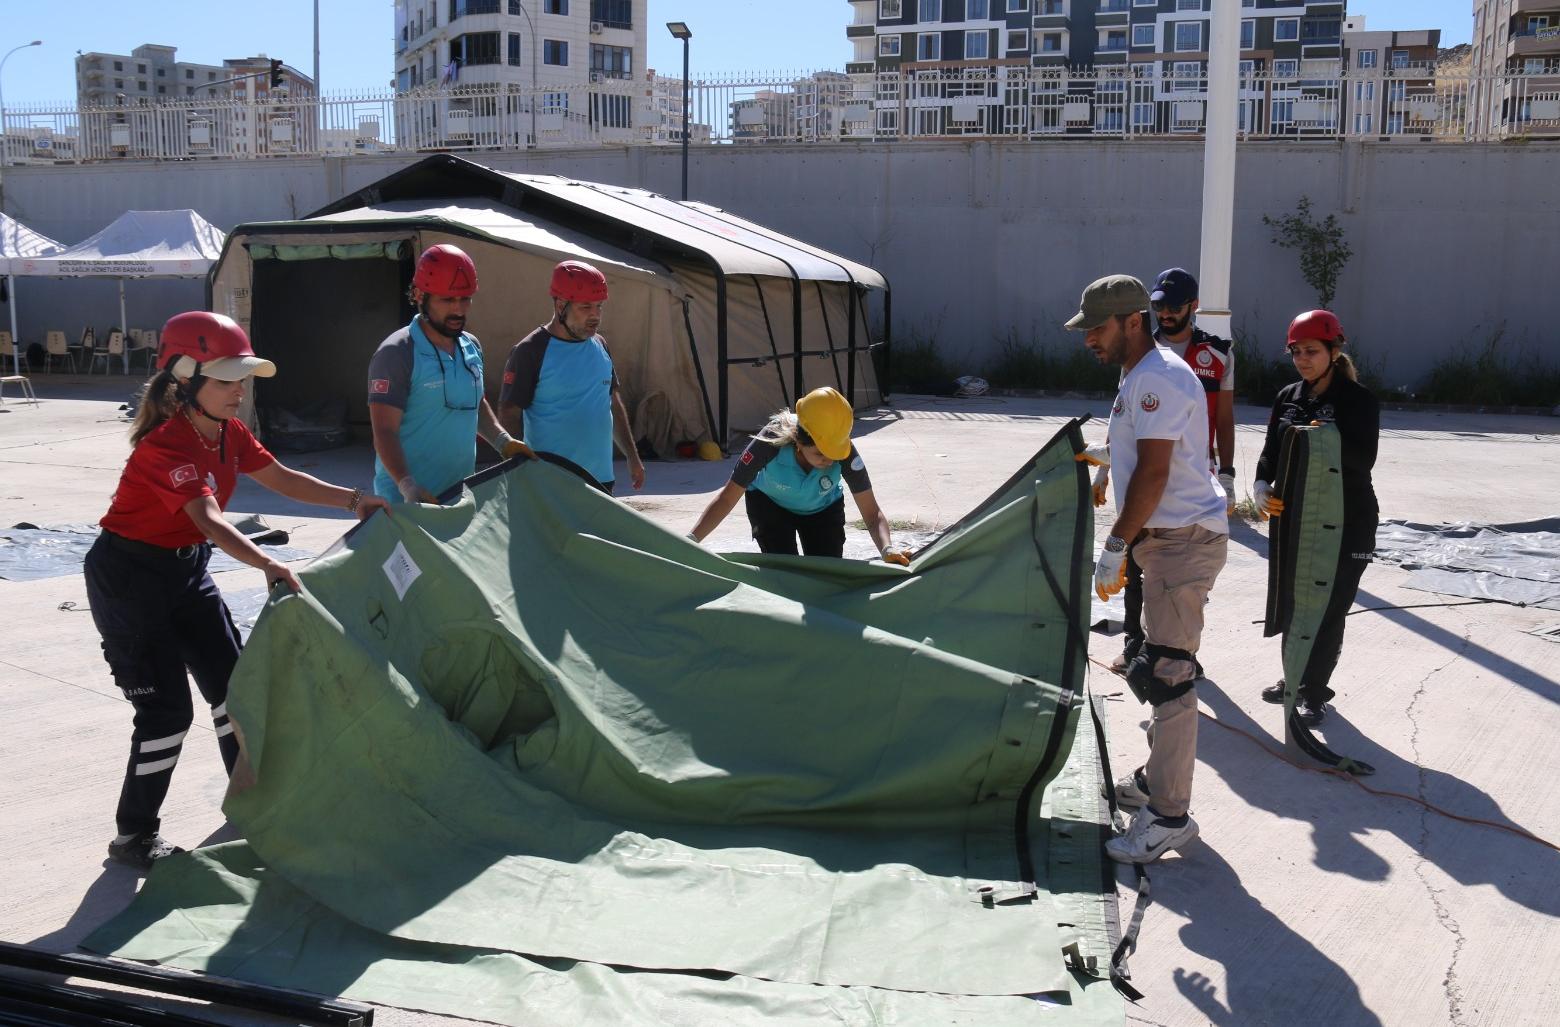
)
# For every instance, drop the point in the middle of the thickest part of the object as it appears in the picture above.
(1115, 544)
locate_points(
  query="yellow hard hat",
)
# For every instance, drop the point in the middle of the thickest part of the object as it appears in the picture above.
(825, 415)
(710, 451)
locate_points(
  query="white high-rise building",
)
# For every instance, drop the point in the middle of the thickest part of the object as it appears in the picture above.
(542, 55)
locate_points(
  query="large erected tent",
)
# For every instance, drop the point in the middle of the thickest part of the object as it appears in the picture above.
(19, 243)
(714, 322)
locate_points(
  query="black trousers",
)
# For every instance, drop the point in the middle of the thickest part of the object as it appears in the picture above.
(776, 529)
(1132, 599)
(162, 620)
(1328, 644)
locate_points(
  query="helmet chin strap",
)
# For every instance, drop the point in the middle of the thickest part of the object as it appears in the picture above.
(562, 318)
(191, 403)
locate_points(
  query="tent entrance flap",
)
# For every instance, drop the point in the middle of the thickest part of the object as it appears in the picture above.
(320, 321)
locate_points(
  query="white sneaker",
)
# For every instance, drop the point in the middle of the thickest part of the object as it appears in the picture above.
(1149, 837)
(1132, 790)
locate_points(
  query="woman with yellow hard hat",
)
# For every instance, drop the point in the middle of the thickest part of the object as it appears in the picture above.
(791, 476)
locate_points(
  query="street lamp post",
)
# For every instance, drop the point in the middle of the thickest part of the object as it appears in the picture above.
(532, 26)
(680, 30)
(5, 148)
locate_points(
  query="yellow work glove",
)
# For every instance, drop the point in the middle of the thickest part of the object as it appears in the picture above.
(897, 553)
(1094, 456)
(1110, 570)
(508, 446)
(1101, 487)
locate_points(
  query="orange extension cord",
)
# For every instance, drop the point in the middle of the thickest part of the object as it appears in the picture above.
(1333, 772)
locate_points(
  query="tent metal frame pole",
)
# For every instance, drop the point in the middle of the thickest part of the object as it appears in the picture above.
(16, 340)
(799, 376)
(698, 368)
(888, 341)
(774, 347)
(722, 353)
(828, 334)
(850, 346)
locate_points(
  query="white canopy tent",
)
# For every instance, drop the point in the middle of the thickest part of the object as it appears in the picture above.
(138, 244)
(18, 242)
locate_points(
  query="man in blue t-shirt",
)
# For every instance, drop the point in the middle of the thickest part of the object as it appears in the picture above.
(560, 393)
(425, 398)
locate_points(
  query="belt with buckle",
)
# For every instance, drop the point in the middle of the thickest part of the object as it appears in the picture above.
(131, 545)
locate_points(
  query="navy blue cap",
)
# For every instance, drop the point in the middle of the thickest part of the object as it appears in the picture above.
(1174, 288)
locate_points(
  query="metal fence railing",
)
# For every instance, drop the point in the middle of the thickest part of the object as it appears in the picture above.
(1299, 100)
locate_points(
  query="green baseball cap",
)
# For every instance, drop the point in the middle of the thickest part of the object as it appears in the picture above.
(1108, 297)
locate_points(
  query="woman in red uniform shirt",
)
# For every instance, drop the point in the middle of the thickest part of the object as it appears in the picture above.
(152, 600)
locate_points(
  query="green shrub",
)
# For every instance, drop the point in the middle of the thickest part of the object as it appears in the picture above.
(1492, 375)
(1032, 364)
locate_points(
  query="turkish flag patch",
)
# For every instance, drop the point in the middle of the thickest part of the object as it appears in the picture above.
(747, 456)
(183, 475)
(379, 386)
(509, 377)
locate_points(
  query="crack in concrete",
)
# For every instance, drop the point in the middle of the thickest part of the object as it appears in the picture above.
(1449, 983)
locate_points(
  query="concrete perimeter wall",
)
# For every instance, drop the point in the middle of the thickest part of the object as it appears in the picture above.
(1451, 242)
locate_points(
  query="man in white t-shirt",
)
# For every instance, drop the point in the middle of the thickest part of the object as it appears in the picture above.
(1171, 510)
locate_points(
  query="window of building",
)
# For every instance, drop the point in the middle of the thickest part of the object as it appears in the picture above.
(119, 65)
(1283, 112)
(514, 49)
(888, 46)
(977, 46)
(1400, 58)
(555, 103)
(1017, 40)
(931, 10)
(119, 83)
(1366, 59)
(615, 14)
(977, 10)
(189, 90)
(1364, 92)
(555, 51)
(887, 121)
(1394, 124)
(1145, 3)
(1188, 5)
(1115, 39)
(140, 69)
(162, 89)
(555, 7)
(211, 76)
(1362, 124)
(610, 111)
(1142, 115)
(1286, 30)
(161, 72)
(1015, 6)
(141, 86)
(1248, 34)
(1051, 42)
(612, 61)
(891, 9)
(928, 46)
(1143, 35)
(1248, 3)
(1286, 68)
(1316, 31)
(1188, 36)
(474, 48)
(1187, 76)
(1397, 90)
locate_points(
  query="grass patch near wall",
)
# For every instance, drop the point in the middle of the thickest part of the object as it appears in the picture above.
(1030, 363)
(1491, 375)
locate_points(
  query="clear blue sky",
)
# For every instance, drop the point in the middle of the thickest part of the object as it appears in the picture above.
(356, 35)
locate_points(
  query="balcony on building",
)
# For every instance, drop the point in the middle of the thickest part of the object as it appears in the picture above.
(856, 30)
(1051, 14)
(612, 14)
(1534, 42)
(1113, 12)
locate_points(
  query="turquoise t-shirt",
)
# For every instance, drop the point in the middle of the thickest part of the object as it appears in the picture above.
(570, 412)
(438, 402)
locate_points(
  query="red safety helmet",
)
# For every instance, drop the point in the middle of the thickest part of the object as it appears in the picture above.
(1321, 325)
(445, 270)
(575, 281)
(200, 342)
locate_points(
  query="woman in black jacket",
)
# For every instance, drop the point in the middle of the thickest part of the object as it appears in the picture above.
(1328, 392)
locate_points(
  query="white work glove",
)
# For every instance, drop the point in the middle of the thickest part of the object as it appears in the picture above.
(1094, 456)
(413, 492)
(897, 553)
(1268, 503)
(1227, 483)
(507, 446)
(1110, 570)
(1101, 487)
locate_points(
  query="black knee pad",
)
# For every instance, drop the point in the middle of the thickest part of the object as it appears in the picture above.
(1155, 690)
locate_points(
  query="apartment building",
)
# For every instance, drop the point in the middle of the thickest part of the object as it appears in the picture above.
(1391, 80)
(1516, 66)
(152, 75)
(810, 109)
(540, 54)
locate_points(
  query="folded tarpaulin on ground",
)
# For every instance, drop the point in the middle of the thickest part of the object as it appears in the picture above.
(1508, 563)
(534, 743)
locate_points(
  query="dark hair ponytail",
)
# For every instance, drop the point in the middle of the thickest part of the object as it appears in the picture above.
(159, 399)
(1342, 362)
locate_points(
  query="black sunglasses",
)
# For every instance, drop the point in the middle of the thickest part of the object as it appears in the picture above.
(458, 358)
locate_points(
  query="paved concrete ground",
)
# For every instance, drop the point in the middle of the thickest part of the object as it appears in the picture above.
(1307, 900)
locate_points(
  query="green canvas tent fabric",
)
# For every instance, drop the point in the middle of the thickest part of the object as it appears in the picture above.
(1304, 546)
(532, 758)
